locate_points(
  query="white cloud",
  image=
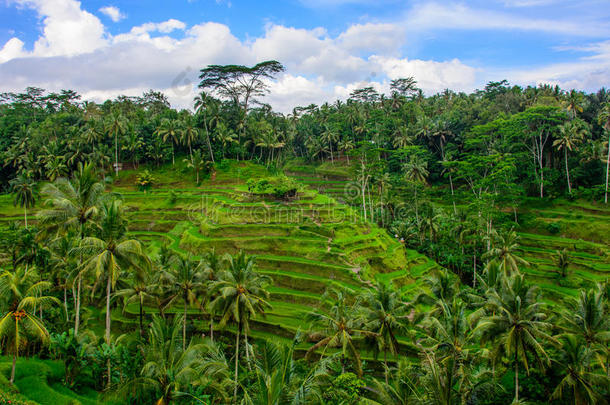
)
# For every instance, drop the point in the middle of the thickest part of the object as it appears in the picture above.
(113, 13)
(431, 15)
(370, 37)
(11, 50)
(431, 76)
(68, 29)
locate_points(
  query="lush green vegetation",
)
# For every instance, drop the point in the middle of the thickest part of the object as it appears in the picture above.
(387, 250)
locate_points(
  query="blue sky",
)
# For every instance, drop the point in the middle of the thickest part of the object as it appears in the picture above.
(330, 47)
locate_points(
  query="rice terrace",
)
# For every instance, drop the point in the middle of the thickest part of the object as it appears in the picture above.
(217, 203)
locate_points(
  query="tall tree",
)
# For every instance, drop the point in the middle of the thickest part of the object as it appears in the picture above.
(604, 120)
(516, 324)
(24, 190)
(570, 135)
(240, 84)
(22, 293)
(116, 124)
(241, 294)
(72, 205)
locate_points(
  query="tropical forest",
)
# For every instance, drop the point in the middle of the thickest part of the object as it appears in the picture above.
(390, 248)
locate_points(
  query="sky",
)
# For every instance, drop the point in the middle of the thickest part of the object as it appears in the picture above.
(103, 49)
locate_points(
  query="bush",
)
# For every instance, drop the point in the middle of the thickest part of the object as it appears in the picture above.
(145, 180)
(553, 228)
(280, 187)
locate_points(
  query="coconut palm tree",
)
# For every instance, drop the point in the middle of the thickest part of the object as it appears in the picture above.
(402, 388)
(22, 293)
(338, 327)
(574, 102)
(24, 190)
(241, 293)
(170, 372)
(604, 119)
(183, 281)
(189, 133)
(110, 252)
(225, 136)
(72, 205)
(587, 317)
(385, 314)
(578, 380)
(505, 252)
(571, 134)
(346, 145)
(141, 288)
(170, 130)
(329, 137)
(210, 267)
(197, 163)
(517, 324)
(416, 172)
(116, 125)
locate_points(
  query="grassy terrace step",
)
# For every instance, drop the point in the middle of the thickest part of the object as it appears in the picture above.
(307, 282)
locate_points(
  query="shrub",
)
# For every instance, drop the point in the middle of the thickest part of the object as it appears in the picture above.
(145, 180)
(553, 228)
(280, 187)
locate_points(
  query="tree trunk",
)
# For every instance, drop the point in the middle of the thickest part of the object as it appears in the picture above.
(516, 378)
(77, 314)
(211, 327)
(416, 209)
(236, 364)
(184, 325)
(12, 380)
(173, 157)
(108, 288)
(474, 281)
(607, 170)
(116, 154)
(452, 194)
(247, 349)
(207, 139)
(66, 304)
(385, 362)
(565, 152)
(25, 215)
(141, 318)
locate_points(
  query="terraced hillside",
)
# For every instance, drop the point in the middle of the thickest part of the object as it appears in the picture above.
(306, 245)
(582, 229)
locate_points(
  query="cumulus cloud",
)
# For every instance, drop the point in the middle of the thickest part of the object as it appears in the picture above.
(113, 13)
(68, 29)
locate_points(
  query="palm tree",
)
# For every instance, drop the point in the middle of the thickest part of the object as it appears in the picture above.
(110, 252)
(275, 373)
(225, 136)
(571, 134)
(517, 324)
(587, 317)
(184, 281)
(189, 133)
(574, 102)
(329, 136)
(197, 163)
(416, 171)
(208, 108)
(170, 370)
(116, 125)
(241, 294)
(169, 130)
(504, 252)
(563, 261)
(72, 205)
(346, 145)
(578, 379)
(24, 190)
(22, 293)
(337, 328)
(210, 267)
(385, 314)
(140, 288)
(402, 388)
(604, 119)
